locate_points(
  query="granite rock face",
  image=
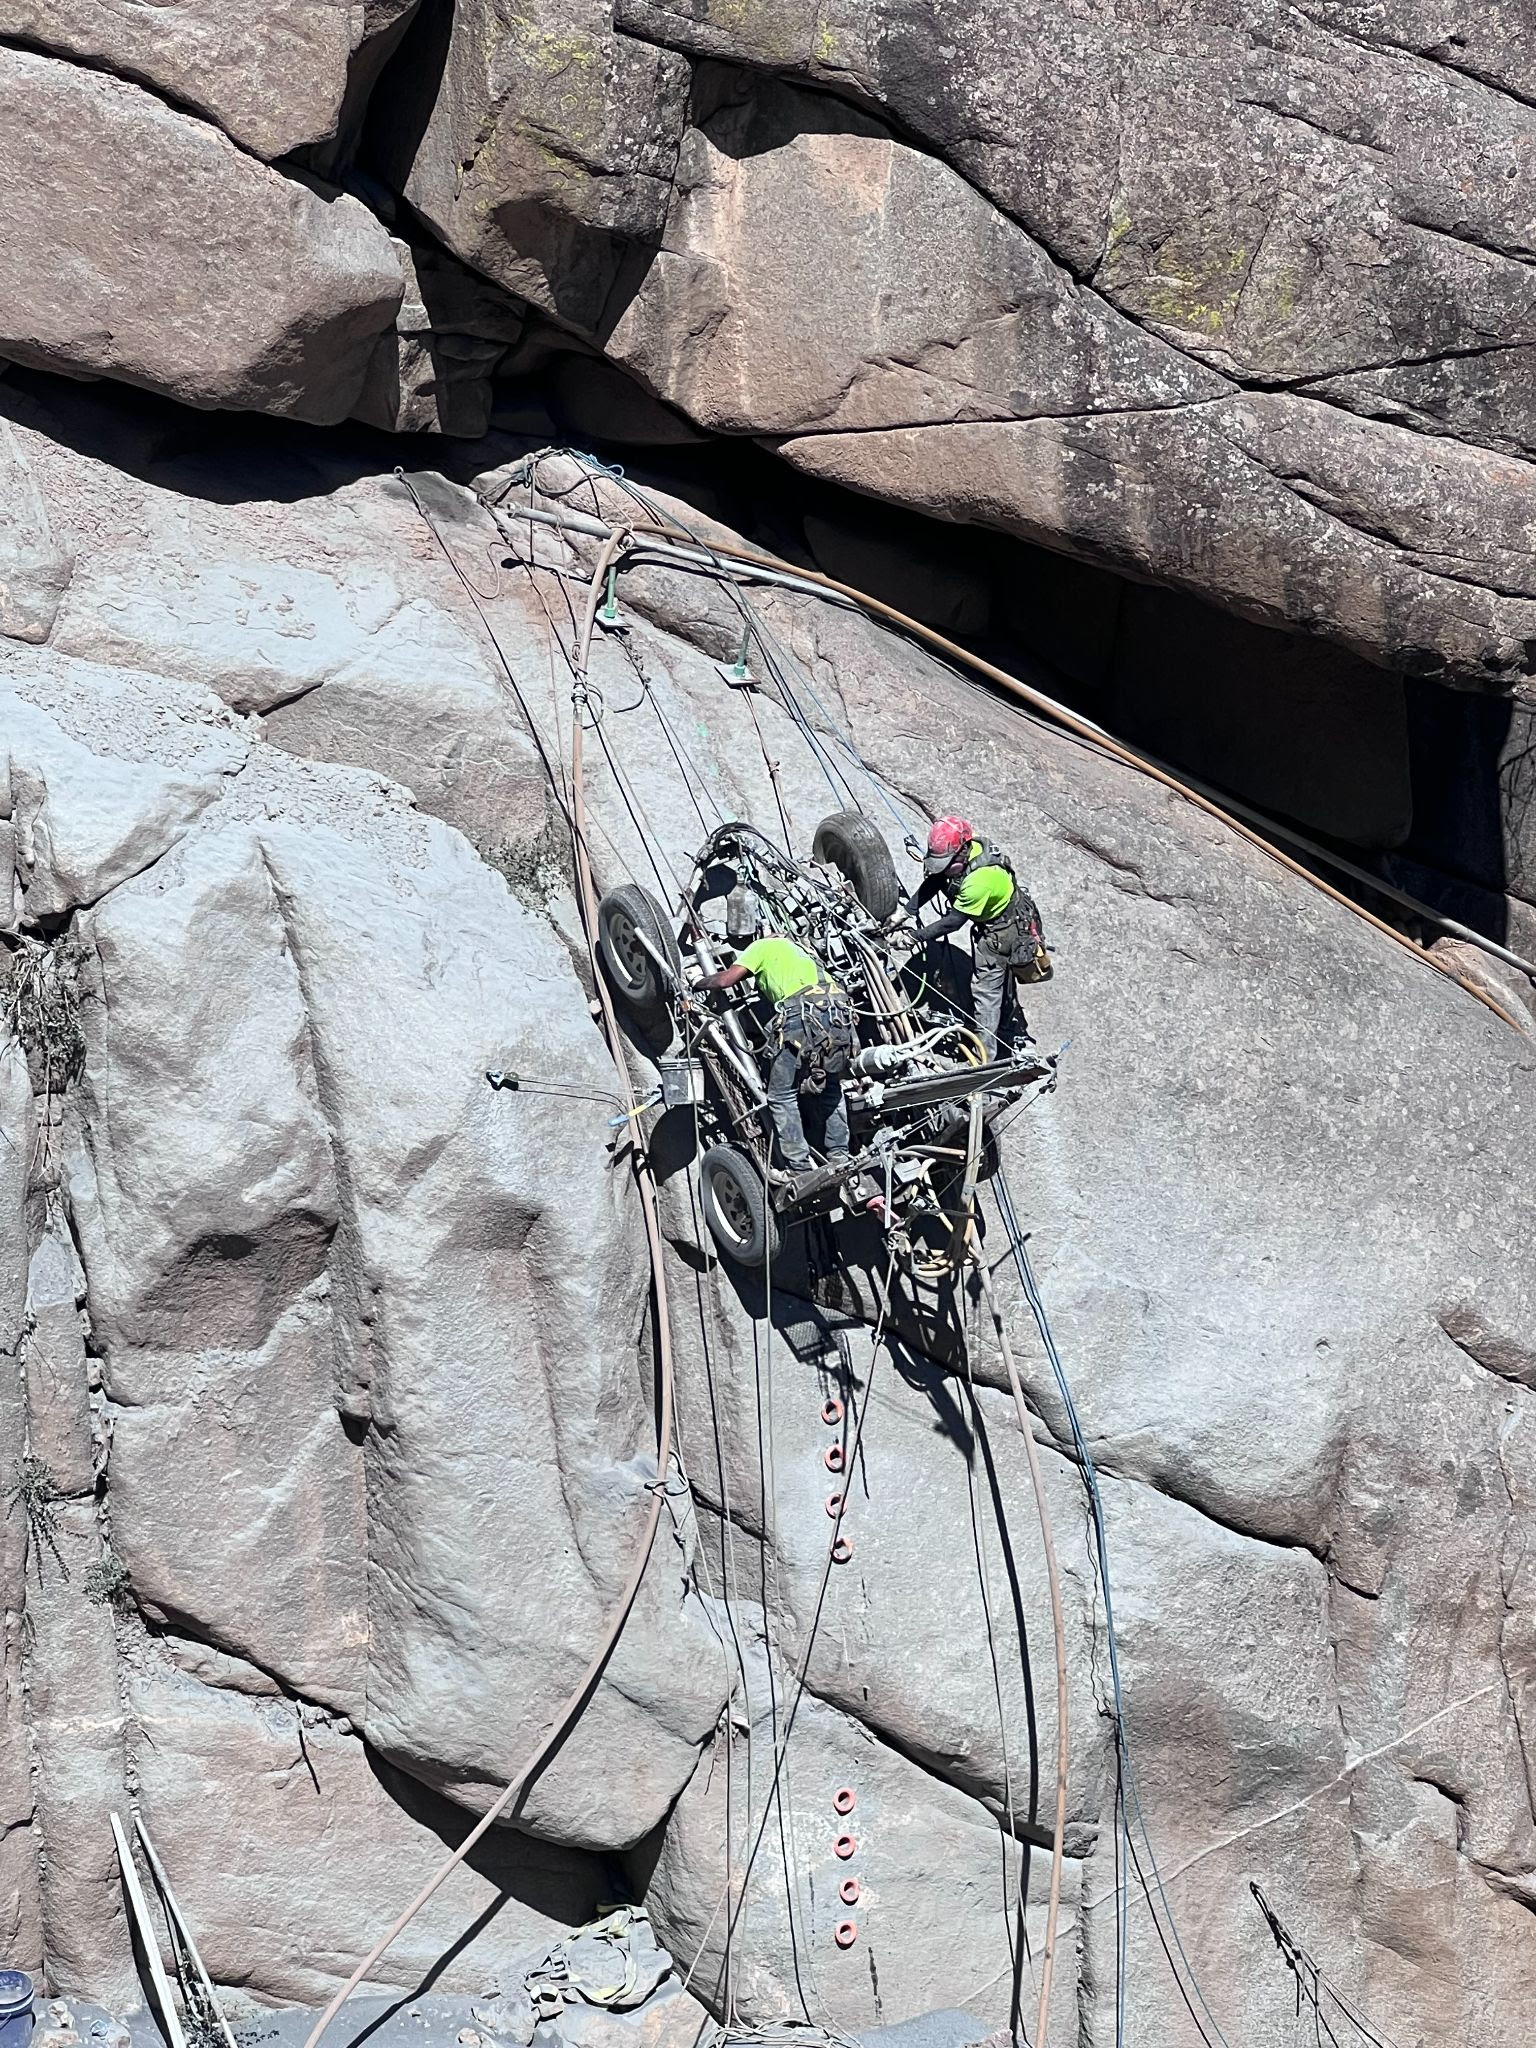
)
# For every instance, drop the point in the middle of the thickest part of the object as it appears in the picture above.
(275, 79)
(435, 372)
(176, 261)
(342, 1368)
(34, 569)
(1234, 301)
(545, 155)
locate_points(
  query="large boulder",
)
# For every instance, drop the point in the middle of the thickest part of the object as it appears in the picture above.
(176, 261)
(1131, 290)
(323, 1836)
(539, 146)
(330, 629)
(1258, 185)
(822, 281)
(274, 78)
(819, 275)
(268, 1348)
(1240, 307)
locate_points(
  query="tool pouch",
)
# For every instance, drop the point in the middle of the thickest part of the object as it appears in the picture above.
(820, 1026)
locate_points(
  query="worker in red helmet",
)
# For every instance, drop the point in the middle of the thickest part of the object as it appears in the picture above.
(1007, 942)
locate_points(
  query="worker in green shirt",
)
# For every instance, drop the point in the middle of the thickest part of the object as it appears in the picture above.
(812, 1040)
(1007, 942)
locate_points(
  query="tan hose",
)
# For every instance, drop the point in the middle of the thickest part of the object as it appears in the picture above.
(1059, 1629)
(620, 1612)
(1085, 729)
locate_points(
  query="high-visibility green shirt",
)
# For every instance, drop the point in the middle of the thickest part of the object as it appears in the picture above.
(780, 967)
(986, 891)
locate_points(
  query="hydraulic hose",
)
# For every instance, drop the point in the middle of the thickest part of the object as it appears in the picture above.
(576, 1701)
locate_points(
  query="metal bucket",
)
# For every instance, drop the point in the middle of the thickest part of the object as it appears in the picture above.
(682, 1085)
(15, 2008)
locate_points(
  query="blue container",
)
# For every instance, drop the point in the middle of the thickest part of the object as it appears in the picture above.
(15, 2008)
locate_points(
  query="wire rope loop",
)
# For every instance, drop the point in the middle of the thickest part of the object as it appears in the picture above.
(834, 1457)
(842, 1549)
(831, 1411)
(847, 1933)
(849, 1891)
(844, 1847)
(834, 1505)
(844, 1799)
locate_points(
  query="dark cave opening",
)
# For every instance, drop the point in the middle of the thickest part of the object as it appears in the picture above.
(1427, 784)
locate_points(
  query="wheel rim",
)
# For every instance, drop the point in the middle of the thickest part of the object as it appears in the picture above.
(633, 960)
(732, 1208)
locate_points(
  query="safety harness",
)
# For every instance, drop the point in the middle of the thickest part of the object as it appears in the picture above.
(1017, 933)
(819, 1026)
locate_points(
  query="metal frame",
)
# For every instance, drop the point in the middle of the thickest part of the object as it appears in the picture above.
(918, 1066)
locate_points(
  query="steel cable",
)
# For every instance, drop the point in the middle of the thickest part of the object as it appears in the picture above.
(1193, 1995)
(1105, 742)
(576, 1700)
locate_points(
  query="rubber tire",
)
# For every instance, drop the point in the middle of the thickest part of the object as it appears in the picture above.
(625, 910)
(751, 1236)
(849, 842)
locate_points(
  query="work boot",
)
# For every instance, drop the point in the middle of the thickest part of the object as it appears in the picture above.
(789, 1176)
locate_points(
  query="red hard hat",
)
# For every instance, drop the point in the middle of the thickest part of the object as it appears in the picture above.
(947, 839)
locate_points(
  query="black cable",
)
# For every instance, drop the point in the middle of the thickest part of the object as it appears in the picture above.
(648, 694)
(781, 1749)
(766, 640)
(556, 782)
(1311, 1983)
(1128, 1797)
(1125, 1774)
(666, 886)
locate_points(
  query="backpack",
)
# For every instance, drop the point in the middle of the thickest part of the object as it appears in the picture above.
(1019, 933)
(1028, 955)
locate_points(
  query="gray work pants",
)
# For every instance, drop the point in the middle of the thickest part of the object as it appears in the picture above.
(784, 1102)
(991, 977)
